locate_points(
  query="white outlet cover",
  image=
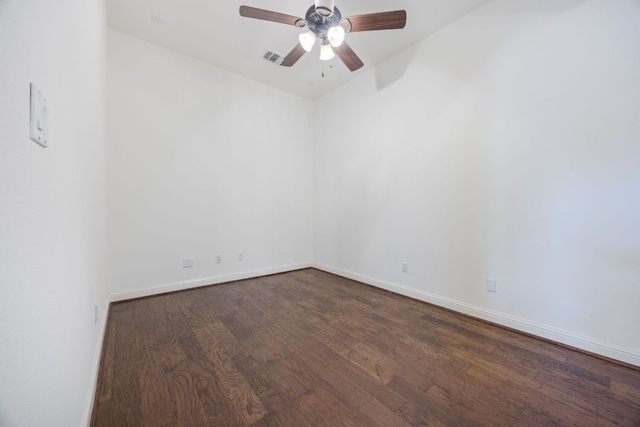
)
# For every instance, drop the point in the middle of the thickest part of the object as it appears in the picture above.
(491, 285)
(218, 259)
(405, 267)
(39, 121)
(187, 263)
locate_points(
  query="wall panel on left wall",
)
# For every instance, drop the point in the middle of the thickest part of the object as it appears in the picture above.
(53, 224)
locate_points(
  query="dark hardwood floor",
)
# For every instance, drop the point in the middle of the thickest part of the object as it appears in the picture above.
(310, 348)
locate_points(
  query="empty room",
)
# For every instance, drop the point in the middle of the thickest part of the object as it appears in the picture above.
(321, 213)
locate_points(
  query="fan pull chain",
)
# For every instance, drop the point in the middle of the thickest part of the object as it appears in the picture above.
(330, 66)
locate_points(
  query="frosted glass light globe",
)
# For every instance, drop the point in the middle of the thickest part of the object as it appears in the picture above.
(307, 40)
(335, 35)
(326, 53)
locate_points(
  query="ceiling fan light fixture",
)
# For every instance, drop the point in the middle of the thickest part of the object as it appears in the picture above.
(326, 53)
(335, 35)
(307, 40)
(321, 18)
(325, 7)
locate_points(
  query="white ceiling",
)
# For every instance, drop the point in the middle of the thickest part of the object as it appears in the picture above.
(214, 32)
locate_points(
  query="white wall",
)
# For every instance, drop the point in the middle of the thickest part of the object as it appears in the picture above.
(202, 162)
(53, 244)
(505, 146)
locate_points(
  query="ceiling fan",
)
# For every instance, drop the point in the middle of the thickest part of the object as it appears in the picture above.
(325, 23)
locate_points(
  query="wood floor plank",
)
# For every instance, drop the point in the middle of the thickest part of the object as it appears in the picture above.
(308, 348)
(450, 405)
(376, 364)
(420, 415)
(280, 413)
(126, 405)
(208, 388)
(104, 392)
(549, 409)
(155, 406)
(354, 375)
(314, 371)
(183, 394)
(617, 373)
(244, 400)
(621, 410)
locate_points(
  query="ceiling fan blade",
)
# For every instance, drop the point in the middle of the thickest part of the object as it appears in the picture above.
(376, 21)
(293, 56)
(268, 15)
(348, 56)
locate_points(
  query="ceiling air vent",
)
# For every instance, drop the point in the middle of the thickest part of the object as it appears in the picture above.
(272, 57)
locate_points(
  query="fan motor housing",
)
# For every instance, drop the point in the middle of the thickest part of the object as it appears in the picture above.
(319, 24)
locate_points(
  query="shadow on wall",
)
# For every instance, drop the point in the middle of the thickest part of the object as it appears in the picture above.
(393, 69)
(479, 51)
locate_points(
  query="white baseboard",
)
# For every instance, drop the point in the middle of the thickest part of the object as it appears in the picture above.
(214, 280)
(627, 355)
(93, 378)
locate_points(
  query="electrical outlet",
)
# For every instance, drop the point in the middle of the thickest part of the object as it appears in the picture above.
(405, 267)
(95, 314)
(218, 259)
(187, 262)
(240, 256)
(491, 285)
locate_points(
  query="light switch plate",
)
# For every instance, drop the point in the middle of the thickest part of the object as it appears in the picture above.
(39, 122)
